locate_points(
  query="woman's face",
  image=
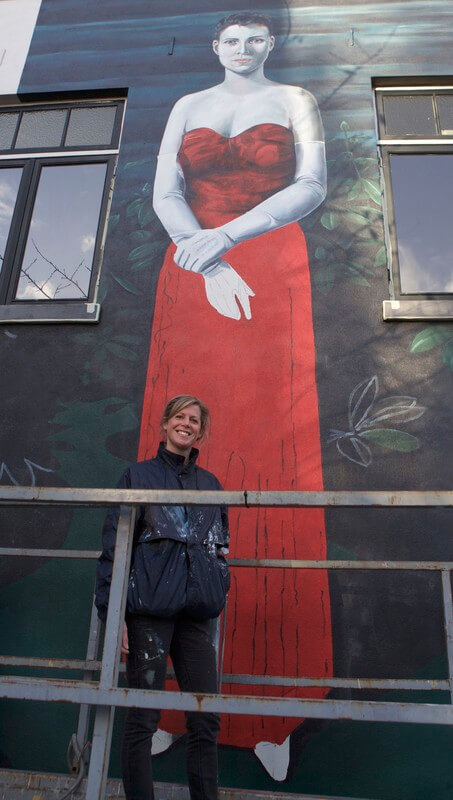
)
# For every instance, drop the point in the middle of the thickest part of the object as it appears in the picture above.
(243, 48)
(183, 430)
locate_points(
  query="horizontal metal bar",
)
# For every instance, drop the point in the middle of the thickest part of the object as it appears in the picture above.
(62, 496)
(339, 683)
(44, 553)
(50, 663)
(280, 563)
(252, 680)
(283, 563)
(39, 689)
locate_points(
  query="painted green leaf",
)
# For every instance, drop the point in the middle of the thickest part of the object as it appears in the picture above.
(147, 189)
(355, 191)
(392, 439)
(140, 236)
(369, 211)
(140, 163)
(121, 351)
(429, 338)
(348, 184)
(381, 257)
(133, 207)
(344, 126)
(372, 189)
(360, 280)
(320, 253)
(447, 355)
(368, 241)
(141, 251)
(145, 213)
(357, 138)
(358, 219)
(138, 265)
(353, 266)
(346, 155)
(363, 161)
(329, 220)
(324, 278)
(126, 285)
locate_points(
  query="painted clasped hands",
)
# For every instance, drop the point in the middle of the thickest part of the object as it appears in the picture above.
(202, 248)
(225, 289)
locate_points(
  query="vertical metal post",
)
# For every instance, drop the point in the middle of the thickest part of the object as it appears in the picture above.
(448, 615)
(91, 653)
(221, 650)
(103, 724)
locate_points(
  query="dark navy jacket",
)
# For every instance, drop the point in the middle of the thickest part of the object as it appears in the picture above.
(174, 562)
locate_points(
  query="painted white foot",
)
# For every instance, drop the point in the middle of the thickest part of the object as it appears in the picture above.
(274, 758)
(161, 741)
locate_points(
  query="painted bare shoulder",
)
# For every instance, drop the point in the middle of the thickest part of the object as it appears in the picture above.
(186, 104)
(303, 113)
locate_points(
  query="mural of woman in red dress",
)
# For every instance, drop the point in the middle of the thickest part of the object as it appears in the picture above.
(240, 163)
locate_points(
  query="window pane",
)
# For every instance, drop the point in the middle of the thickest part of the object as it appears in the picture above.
(8, 124)
(409, 115)
(59, 252)
(422, 187)
(41, 129)
(9, 186)
(445, 107)
(89, 126)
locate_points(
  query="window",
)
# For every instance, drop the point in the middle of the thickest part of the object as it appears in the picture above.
(57, 162)
(415, 130)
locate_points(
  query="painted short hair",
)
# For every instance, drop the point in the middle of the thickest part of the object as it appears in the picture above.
(181, 401)
(242, 18)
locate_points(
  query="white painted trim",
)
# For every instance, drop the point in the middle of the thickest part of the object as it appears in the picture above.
(53, 154)
(17, 24)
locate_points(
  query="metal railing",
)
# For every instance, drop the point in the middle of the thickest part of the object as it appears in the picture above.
(105, 694)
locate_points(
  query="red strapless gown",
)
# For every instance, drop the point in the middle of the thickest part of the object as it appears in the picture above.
(258, 378)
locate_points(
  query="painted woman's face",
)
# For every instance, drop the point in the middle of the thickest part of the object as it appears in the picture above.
(243, 48)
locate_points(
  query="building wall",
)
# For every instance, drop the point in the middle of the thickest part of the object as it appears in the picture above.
(72, 409)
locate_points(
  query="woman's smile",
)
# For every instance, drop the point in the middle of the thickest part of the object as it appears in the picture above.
(183, 430)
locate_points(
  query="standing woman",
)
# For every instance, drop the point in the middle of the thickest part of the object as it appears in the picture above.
(239, 164)
(178, 583)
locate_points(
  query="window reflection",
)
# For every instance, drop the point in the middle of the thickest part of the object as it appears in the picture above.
(58, 256)
(422, 188)
(9, 186)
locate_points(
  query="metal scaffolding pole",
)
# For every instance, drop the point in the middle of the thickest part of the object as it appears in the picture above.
(105, 694)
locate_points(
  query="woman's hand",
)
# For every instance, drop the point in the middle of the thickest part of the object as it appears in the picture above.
(227, 292)
(201, 249)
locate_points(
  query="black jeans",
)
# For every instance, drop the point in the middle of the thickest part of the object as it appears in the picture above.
(189, 643)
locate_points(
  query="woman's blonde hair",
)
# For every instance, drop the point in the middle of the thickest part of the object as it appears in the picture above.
(181, 401)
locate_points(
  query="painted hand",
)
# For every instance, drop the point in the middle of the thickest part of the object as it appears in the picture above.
(200, 250)
(227, 292)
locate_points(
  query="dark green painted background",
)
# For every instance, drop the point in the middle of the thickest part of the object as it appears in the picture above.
(71, 396)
